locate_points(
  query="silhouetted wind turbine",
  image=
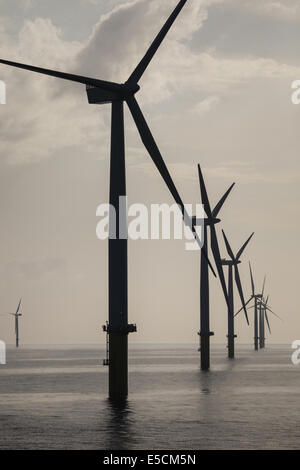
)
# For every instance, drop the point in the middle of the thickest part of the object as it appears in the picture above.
(233, 262)
(210, 221)
(17, 314)
(100, 92)
(257, 300)
(263, 308)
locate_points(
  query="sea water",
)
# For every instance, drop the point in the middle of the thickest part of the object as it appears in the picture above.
(56, 398)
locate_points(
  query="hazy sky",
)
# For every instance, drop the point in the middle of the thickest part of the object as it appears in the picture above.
(217, 93)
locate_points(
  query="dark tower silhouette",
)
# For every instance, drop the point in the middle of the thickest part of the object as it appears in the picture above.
(210, 221)
(257, 298)
(261, 326)
(233, 263)
(101, 92)
(264, 316)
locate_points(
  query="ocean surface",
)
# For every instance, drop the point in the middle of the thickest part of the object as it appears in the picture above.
(56, 398)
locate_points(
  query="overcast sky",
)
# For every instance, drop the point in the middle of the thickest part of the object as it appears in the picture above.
(217, 93)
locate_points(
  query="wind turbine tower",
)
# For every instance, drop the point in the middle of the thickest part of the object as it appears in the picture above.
(232, 264)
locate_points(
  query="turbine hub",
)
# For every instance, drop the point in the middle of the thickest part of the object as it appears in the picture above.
(230, 262)
(132, 87)
(212, 221)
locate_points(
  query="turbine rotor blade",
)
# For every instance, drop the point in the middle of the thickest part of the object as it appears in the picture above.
(263, 289)
(204, 196)
(111, 86)
(273, 313)
(228, 247)
(242, 308)
(153, 150)
(199, 243)
(239, 254)
(216, 253)
(220, 204)
(240, 290)
(252, 281)
(141, 67)
(19, 306)
(268, 322)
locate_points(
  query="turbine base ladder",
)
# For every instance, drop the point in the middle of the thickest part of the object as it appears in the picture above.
(122, 331)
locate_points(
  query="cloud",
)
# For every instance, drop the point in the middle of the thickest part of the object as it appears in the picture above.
(35, 123)
(36, 269)
(286, 10)
(120, 38)
(206, 105)
(44, 116)
(244, 172)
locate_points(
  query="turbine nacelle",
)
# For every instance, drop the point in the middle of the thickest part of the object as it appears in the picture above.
(230, 262)
(256, 296)
(98, 95)
(196, 221)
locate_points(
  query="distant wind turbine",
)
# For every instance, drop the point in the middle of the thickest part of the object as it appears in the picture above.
(17, 314)
(233, 262)
(101, 92)
(258, 302)
(256, 297)
(263, 315)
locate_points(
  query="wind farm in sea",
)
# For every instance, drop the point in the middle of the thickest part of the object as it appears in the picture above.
(121, 395)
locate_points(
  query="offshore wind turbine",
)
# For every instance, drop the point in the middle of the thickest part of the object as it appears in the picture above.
(233, 263)
(257, 302)
(210, 221)
(17, 314)
(263, 315)
(101, 92)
